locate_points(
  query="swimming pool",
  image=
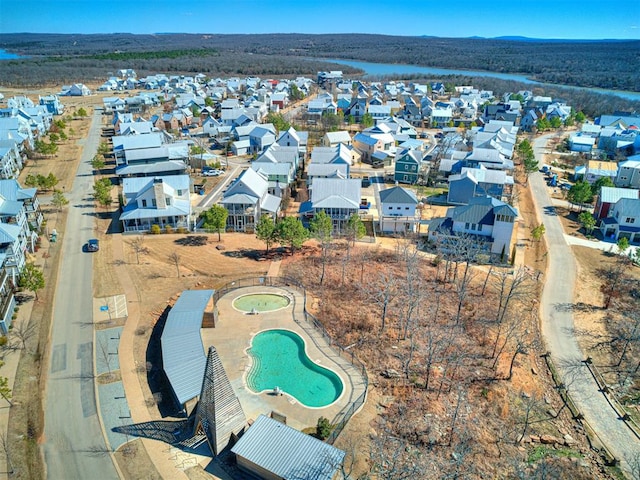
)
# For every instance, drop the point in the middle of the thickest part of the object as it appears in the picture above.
(280, 360)
(261, 302)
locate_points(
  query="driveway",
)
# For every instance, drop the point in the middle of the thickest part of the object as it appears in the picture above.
(74, 443)
(559, 335)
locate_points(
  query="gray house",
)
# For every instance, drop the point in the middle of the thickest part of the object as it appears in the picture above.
(247, 199)
(339, 198)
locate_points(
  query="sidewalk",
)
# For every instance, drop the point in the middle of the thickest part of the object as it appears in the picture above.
(11, 357)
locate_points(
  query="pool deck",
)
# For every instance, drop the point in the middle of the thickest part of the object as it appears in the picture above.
(232, 337)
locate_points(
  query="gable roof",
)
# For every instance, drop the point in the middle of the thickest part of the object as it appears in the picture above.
(286, 452)
(481, 210)
(183, 356)
(398, 195)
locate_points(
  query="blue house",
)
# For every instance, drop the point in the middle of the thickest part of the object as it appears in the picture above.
(408, 165)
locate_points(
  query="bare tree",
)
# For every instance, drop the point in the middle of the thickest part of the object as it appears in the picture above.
(138, 247)
(382, 291)
(174, 257)
(105, 355)
(511, 286)
(23, 331)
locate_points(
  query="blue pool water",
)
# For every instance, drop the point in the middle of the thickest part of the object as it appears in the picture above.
(260, 302)
(279, 360)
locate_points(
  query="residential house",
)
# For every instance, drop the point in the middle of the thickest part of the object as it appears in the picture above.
(623, 221)
(13, 248)
(52, 104)
(147, 155)
(271, 450)
(596, 169)
(163, 201)
(340, 154)
(608, 197)
(578, 142)
(261, 137)
(293, 138)
(398, 210)
(247, 199)
(408, 166)
(339, 198)
(75, 90)
(11, 190)
(331, 139)
(629, 173)
(7, 300)
(10, 159)
(478, 182)
(326, 170)
(486, 221)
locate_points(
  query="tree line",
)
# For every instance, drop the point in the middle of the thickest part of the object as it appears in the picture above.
(603, 64)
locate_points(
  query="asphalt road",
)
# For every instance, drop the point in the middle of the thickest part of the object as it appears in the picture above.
(74, 445)
(559, 334)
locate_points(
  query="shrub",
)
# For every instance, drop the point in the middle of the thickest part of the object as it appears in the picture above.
(182, 230)
(155, 229)
(168, 229)
(323, 428)
(3, 340)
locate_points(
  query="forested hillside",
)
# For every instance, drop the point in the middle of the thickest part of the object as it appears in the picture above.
(604, 64)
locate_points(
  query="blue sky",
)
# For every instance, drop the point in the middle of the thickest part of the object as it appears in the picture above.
(566, 19)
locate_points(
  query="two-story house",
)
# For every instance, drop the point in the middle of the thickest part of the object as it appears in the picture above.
(163, 201)
(339, 198)
(623, 221)
(247, 199)
(485, 222)
(11, 190)
(408, 165)
(398, 210)
(629, 173)
(478, 182)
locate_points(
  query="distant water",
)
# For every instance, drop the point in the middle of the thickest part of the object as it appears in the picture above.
(4, 55)
(380, 69)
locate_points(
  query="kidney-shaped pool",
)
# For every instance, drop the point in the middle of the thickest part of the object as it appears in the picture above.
(280, 360)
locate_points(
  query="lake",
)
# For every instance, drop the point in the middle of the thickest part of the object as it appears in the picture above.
(4, 55)
(384, 69)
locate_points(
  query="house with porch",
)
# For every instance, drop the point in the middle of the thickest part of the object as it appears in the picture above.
(7, 299)
(28, 197)
(486, 221)
(247, 199)
(163, 201)
(623, 221)
(398, 212)
(293, 138)
(338, 155)
(13, 248)
(339, 198)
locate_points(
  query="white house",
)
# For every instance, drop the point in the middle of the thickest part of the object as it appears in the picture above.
(162, 201)
(398, 210)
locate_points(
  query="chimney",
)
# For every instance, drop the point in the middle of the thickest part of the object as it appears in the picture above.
(158, 192)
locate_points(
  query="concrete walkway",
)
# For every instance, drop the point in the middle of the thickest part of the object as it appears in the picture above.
(558, 332)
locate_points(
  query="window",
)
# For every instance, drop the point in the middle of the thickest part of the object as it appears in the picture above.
(406, 167)
(466, 226)
(168, 201)
(144, 203)
(179, 192)
(153, 202)
(629, 220)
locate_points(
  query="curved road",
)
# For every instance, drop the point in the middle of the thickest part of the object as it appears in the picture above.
(559, 335)
(74, 443)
